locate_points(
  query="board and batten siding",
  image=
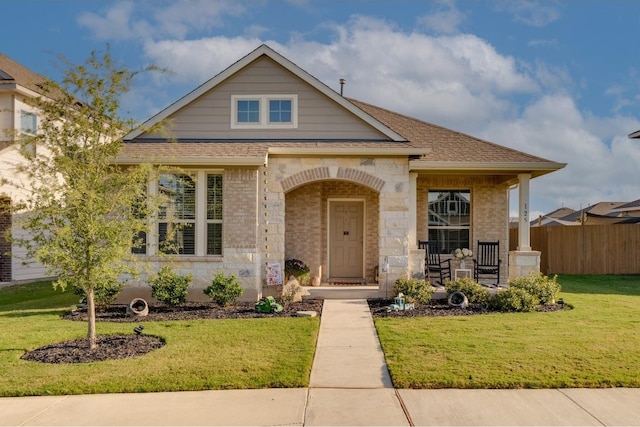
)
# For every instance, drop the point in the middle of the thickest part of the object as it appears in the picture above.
(319, 118)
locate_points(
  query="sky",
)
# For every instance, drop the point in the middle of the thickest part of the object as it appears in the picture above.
(556, 79)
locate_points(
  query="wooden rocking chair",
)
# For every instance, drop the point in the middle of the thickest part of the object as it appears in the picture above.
(486, 265)
(433, 265)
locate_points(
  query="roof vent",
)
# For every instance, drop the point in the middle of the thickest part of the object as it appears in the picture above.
(342, 82)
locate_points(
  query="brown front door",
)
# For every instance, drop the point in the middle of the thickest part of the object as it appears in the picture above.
(346, 239)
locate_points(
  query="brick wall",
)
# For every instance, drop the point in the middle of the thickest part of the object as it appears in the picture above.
(5, 246)
(489, 209)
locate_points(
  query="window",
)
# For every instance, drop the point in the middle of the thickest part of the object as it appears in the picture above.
(280, 111)
(28, 123)
(248, 111)
(177, 216)
(214, 214)
(449, 219)
(190, 214)
(28, 127)
(264, 111)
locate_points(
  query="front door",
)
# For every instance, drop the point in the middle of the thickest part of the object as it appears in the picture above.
(346, 239)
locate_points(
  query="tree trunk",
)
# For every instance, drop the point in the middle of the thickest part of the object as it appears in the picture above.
(91, 313)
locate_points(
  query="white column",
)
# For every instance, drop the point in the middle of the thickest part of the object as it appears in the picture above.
(524, 242)
(413, 209)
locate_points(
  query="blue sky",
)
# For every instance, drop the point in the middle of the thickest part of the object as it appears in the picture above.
(560, 80)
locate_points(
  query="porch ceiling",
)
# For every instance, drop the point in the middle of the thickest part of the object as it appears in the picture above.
(506, 172)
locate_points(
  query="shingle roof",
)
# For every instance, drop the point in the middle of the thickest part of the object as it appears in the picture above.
(11, 72)
(446, 145)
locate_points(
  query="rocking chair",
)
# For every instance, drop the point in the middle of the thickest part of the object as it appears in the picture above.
(433, 265)
(487, 263)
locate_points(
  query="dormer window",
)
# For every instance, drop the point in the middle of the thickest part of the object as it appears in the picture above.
(264, 111)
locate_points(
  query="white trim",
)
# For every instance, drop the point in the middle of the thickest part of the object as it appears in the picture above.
(284, 62)
(263, 121)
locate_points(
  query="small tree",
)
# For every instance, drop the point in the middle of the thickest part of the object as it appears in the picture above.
(81, 213)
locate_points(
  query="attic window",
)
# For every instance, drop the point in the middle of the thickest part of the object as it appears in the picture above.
(264, 111)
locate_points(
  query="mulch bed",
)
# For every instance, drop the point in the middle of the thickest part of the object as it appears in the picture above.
(109, 347)
(437, 308)
(194, 311)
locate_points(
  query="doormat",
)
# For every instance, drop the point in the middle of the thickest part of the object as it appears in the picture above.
(348, 282)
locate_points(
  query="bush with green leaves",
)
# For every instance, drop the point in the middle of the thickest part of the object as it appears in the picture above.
(544, 288)
(514, 299)
(104, 294)
(475, 292)
(419, 290)
(170, 287)
(224, 289)
(297, 269)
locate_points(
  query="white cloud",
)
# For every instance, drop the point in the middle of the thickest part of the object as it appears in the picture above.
(175, 19)
(446, 20)
(600, 158)
(532, 13)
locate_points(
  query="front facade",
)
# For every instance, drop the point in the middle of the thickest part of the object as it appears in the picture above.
(17, 118)
(270, 164)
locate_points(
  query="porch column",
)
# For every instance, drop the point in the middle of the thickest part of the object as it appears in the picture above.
(413, 210)
(524, 242)
(523, 261)
(416, 256)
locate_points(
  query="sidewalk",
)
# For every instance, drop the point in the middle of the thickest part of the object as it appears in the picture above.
(349, 385)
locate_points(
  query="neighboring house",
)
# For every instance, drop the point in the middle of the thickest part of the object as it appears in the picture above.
(273, 164)
(552, 217)
(601, 213)
(17, 118)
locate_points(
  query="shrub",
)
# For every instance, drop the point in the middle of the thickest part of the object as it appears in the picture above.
(104, 295)
(297, 269)
(169, 287)
(223, 289)
(418, 289)
(514, 299)
(544, 288)
(475, 292)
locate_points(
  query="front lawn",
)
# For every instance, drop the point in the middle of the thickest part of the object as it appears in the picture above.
(597, 344)
(198, 355)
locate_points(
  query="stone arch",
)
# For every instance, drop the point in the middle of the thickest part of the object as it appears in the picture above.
(325, 172)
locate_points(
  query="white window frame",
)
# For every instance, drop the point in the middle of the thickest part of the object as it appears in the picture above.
(34, 118)
(200, 222)
(264, 122)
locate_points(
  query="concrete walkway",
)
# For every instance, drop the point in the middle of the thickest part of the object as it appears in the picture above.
(349, 385)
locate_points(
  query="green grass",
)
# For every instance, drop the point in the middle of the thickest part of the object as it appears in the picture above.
(597, 344)
(198, 355)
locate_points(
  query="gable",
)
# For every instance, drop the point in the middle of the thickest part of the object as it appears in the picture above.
(209, 117)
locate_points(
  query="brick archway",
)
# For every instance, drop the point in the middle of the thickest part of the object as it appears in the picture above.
(324, 173)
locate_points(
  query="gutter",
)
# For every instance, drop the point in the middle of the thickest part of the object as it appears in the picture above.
(195, 161)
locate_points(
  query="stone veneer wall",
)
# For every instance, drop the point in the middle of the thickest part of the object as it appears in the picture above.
(489, 210)
(388, 177)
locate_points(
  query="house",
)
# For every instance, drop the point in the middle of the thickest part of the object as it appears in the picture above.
(602, 213)
(17, 85)
(272, 164)
(552, 217)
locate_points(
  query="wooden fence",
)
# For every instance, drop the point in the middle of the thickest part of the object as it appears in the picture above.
(588, 249)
